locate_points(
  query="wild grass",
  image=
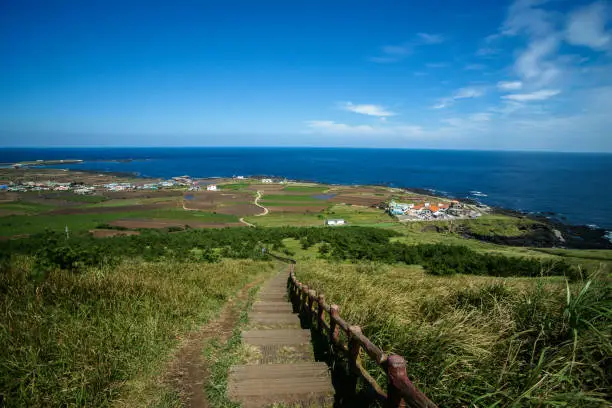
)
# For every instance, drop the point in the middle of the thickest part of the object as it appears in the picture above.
(221, 356)
(93, 338)
(481, 341)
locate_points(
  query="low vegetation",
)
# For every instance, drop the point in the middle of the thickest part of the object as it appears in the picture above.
(481, 341)
(90, 337)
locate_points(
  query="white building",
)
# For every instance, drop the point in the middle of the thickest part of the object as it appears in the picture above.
(211, 187)
(267, 181)
(335, 222)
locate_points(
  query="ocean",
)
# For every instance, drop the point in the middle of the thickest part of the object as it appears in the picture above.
(575, 187)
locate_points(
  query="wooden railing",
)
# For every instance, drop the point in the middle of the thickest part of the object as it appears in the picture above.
(400, 392)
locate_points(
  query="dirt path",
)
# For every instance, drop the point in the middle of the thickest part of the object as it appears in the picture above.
(256, 202)
(187, 371)
(265, 210)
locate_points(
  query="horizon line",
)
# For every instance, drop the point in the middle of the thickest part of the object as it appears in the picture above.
(305, 147)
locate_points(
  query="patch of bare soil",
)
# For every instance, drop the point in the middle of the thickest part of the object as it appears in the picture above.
(213, 200)
(18, 236)
(187, 372)
(142, 194)
(240, 209)
(5, 213)
(105, 233)
(357, 200)
(109, 210)
(297, 209)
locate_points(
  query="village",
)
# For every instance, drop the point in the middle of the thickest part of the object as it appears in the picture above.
(180, 182)
(428, 211)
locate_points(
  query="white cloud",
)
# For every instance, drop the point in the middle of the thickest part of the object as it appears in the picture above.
(509, 85)
(462, 93)
(465, 93)
(524, 17)
(587, 26)
(537, 63)
(533, 96)
(436, 65)
(480, 117)
(329, 126)
(395, 53)
(430, 38)
(372, 110)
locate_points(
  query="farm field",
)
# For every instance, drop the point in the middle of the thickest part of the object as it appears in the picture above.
(295, 204)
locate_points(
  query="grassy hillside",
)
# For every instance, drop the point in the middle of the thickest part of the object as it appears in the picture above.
(90, 338)
(480, 341)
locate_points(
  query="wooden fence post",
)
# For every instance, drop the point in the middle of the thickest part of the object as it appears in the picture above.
(396, 374)
(354, 347)
(312, 294)
(334, 331)
(304, 298)
(320, 310)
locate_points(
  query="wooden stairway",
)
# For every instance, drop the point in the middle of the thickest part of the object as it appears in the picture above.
(283, 370)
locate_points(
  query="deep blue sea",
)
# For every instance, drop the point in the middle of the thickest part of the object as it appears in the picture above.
(576, 186)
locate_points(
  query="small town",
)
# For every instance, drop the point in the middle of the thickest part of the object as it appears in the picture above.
(427, 211)
(182, 182)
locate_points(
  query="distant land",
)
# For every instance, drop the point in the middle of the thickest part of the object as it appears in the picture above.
(569, 188)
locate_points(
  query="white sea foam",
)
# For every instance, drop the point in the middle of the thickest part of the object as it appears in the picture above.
(478, 193)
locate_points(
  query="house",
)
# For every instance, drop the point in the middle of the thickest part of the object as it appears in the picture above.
(267, 181)
(335, 222)
(211, 187)
(240, 177)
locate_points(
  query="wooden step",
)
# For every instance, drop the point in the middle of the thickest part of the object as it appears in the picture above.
(272, 318)
(274, 371)
(271, 306)
(276, 337)
(264, 385)
(273, 298)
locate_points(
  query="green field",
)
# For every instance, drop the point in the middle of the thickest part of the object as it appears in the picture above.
(233, 186)
(30, 208)
(24, 224)
(306, 189)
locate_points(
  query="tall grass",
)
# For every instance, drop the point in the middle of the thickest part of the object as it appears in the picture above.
(87, 339)
(481, 341)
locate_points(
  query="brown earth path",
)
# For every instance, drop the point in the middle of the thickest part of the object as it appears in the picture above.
(188, 372)
(283, 369)
(256, 202)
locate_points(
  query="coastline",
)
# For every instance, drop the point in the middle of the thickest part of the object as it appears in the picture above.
(576, 236)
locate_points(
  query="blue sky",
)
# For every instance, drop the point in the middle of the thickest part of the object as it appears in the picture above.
(520, 75)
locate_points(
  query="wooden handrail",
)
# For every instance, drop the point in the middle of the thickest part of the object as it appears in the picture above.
(401, 392)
